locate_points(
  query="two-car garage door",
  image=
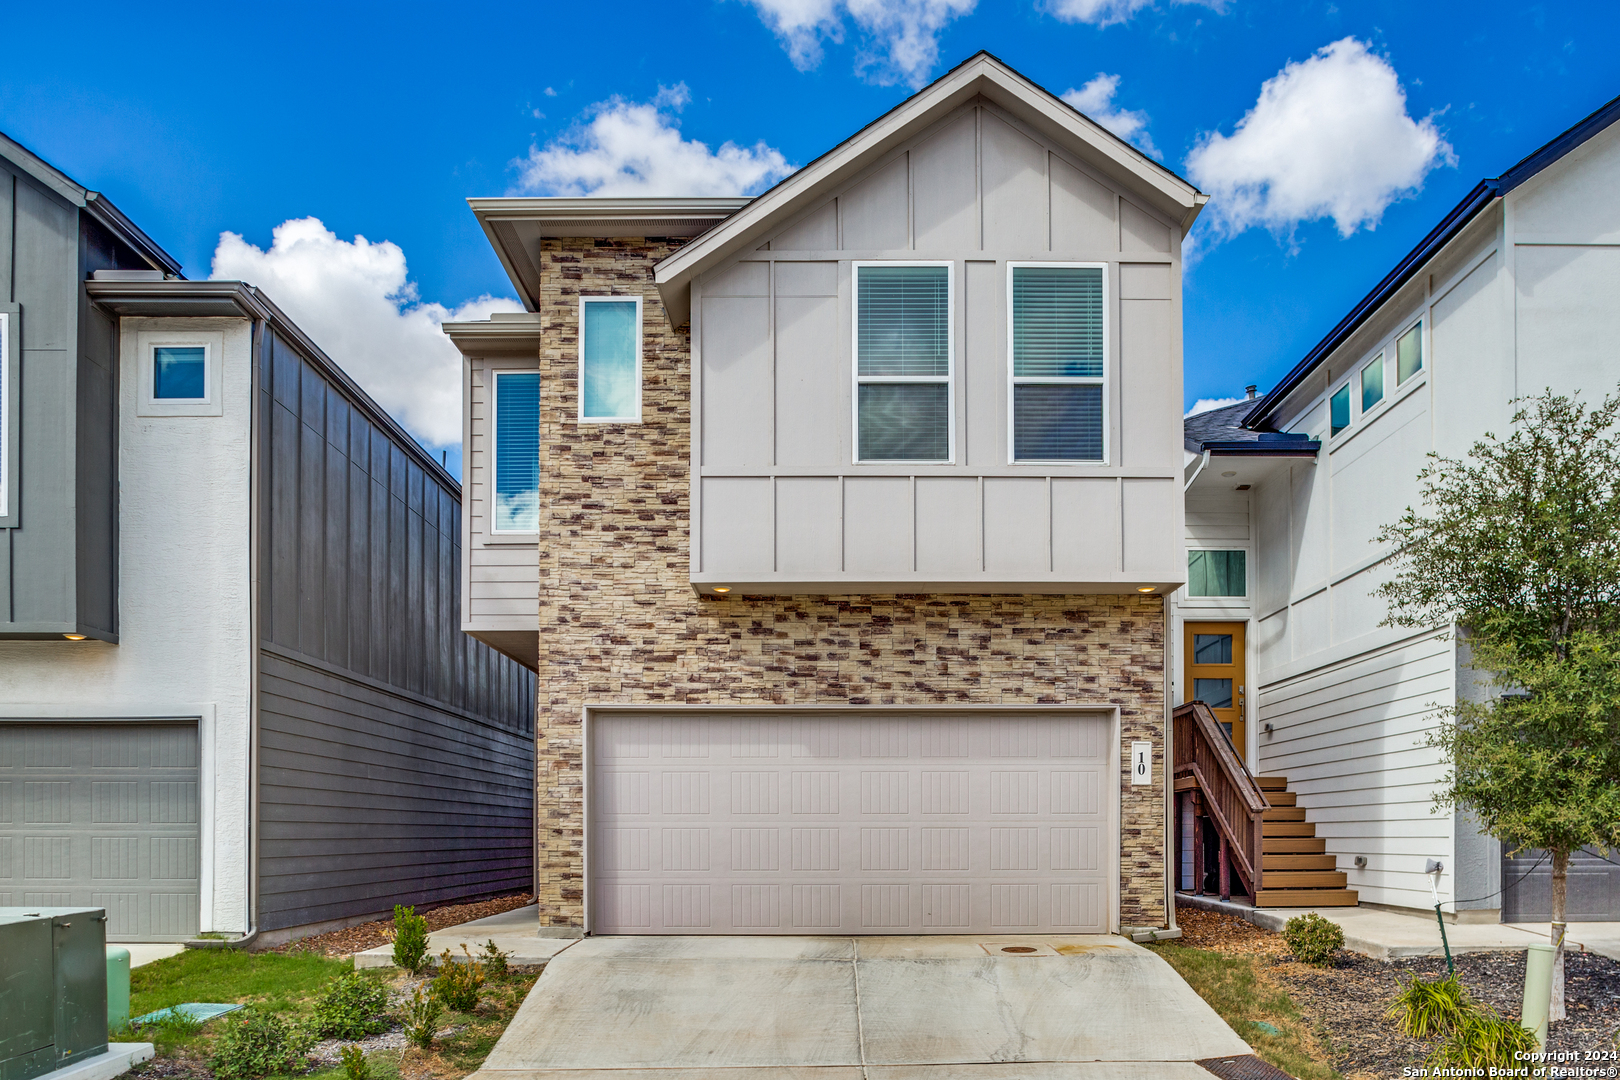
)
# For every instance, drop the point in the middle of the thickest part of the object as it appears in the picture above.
(851, 822)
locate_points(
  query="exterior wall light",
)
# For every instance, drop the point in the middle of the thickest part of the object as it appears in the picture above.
(74, 637)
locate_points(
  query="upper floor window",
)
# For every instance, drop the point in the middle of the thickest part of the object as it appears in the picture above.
(1339, 410)
(1058, 359)
(903, 360)
(516, 451)
(1217, 573)
(1409, 354)
(180, 373)
(1372, 383)
(610, 358)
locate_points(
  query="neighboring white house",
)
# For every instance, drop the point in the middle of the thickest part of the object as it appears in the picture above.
(1513, 292)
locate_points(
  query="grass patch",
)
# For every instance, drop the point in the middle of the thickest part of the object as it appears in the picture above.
(1234, 989)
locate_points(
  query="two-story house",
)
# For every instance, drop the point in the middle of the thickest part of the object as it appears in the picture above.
(853, 508)
(1511, 293)
(234, 696)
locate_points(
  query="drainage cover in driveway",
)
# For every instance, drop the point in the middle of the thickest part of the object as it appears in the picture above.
(938, 1008)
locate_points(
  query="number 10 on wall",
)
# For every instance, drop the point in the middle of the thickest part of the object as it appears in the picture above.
(1141, 763)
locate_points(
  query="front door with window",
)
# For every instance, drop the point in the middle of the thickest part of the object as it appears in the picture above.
(1214, 674)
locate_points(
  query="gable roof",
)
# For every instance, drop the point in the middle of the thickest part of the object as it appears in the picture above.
(93, 203)
(1485, 193)
(981, 75)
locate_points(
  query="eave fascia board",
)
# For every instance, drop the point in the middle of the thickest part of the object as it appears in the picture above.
(494, 336)
(101, 208)
(982, 75)
(41, 171)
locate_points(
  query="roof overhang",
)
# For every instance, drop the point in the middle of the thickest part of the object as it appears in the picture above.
(516, 226)
(1159, 189)
(503, 332)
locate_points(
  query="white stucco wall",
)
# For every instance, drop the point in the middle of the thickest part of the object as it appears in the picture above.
(185, 642)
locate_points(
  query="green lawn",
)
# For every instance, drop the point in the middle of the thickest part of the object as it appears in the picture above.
(1231, 987)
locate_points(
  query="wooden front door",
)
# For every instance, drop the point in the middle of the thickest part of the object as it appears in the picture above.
(1215, 675)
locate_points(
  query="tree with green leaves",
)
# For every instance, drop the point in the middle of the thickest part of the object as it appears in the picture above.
(1518, 548)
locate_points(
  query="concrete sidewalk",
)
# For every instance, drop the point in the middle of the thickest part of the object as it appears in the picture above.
(841, 1008)
(1389, 935)
(515, 932)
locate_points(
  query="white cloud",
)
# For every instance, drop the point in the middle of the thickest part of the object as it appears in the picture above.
(1329, 137)
(1209, 404)
(1096, 100)
(631, 148)
(900, 41)
(354, 300)
(1109, 12)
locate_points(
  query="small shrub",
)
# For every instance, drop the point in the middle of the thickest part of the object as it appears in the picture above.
(1426, 1009)
(1313, 939)
(258, 1044)
(421, 1019)
(176, 1025)
(410, 939)
(353, 1060)
(351, 1007)
(1483, 1039)
(458, 984)
(493, 959)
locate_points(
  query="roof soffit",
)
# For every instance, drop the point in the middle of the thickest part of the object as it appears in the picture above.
(1046, 116)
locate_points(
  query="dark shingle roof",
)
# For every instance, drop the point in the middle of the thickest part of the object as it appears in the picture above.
(1221, 432)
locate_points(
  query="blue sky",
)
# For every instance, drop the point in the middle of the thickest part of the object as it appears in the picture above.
(379, 120)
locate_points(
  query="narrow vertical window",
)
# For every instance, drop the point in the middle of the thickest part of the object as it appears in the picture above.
(179, 373)
(902, 363)
(610, 358)
(1057, 363)
(6, 424)
(1409, 354)
(1372, 383)
(1339, 409)
(516, 451)
(1217, 573)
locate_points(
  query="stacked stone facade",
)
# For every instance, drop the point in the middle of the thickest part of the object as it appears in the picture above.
(621, 624)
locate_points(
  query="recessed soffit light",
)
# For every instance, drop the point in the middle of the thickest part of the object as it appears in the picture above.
(74, 637)
(1147, 588)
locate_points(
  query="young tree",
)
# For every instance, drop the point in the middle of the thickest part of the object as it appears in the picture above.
(1519, 547)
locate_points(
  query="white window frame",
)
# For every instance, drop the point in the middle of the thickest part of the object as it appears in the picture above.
(1221, 601)
(1421, 324)
(147, 344)
(494, 452)
(10, 315)
(636, 418)
(856, 378)
(1103, 381)
(1381, 360)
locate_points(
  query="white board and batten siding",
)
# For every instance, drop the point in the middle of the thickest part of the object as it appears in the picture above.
(861, 822)
(1215, 519)
(779, 502)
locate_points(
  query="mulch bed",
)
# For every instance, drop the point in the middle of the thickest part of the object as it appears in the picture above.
(1347, 1002)
(369, 935)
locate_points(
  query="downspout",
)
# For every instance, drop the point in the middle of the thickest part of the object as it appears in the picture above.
(1203, 461)
(255, 516)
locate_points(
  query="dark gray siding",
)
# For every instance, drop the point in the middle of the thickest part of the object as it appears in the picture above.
(396, 753)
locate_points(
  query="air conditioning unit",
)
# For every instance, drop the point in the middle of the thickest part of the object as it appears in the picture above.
(53, 988)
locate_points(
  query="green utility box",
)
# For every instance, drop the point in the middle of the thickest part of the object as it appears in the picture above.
(53, 988)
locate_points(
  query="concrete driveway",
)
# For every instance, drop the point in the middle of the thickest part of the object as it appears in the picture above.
(867, 1008)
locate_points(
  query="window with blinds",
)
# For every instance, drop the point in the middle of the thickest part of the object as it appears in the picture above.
(610, 358)
(1057, 349)
(902, 362)
(516, 435)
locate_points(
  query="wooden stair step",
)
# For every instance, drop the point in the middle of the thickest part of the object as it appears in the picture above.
(1281, 798)
(1283, 813)
(1311, 898)
(1272, 783)
(1303, 879)
(1292, 845)
(1268, 863)
(1287, 828)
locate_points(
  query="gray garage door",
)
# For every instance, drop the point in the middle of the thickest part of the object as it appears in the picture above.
(102, 815)
(877, 823)
(1592, 893)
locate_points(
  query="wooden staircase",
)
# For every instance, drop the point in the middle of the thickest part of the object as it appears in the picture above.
(1295, 869)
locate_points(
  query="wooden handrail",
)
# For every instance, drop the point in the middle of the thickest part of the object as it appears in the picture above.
(1233, 800)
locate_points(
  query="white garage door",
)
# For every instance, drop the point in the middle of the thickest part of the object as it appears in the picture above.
(874, 823)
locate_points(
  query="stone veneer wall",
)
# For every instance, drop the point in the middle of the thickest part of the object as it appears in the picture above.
(619, 622)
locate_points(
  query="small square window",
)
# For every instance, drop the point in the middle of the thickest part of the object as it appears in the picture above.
(1339, 409)
(179, 373)
(1217, 573)
(1409, 354)
(1372, 383)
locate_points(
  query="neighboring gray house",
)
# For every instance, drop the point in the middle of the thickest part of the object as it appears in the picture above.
(234, 695)
(1514, 291)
